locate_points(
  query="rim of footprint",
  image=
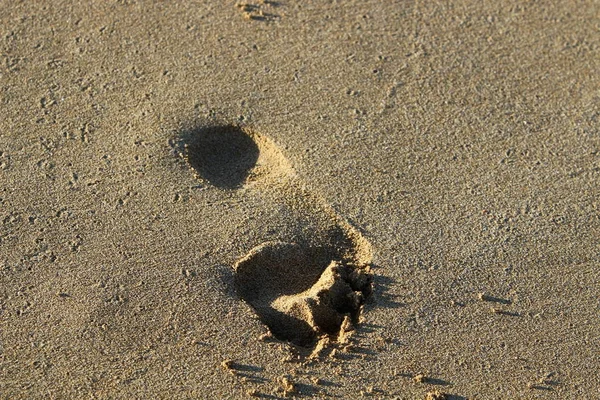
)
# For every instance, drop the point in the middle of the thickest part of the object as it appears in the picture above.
(307, 294)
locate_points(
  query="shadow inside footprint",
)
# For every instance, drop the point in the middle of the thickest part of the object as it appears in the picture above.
(301, 292)
(223, 155)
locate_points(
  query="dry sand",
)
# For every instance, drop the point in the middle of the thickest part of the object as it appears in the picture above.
(447, 151)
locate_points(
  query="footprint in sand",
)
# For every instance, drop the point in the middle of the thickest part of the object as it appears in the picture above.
(302, 291)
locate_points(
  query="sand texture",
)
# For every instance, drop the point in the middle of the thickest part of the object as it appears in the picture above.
(296, 199)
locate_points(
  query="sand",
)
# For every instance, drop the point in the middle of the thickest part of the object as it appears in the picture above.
(412, 186)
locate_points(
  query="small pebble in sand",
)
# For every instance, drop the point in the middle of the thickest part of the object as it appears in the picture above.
(245, 6)
(266, 337)
(349, 348)
(288, 386)
(436, 395)
(420, 378)
(547, 378)
(252, 392)
(227, 365)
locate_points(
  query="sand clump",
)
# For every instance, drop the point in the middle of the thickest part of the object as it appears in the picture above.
(298, 299)
(436, 395)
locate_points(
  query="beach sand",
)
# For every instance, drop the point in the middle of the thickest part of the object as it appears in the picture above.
(379, 199)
